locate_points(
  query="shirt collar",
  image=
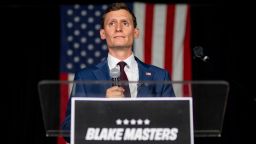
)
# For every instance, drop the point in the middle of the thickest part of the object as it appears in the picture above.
(130, 61)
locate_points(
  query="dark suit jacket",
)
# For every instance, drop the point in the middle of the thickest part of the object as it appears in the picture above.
(101, 72)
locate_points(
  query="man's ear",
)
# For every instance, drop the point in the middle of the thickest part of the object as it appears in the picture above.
(136, 33)
(102, 34)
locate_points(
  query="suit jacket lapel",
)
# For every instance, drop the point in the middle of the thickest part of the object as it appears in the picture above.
(144, 72)
(144, 75)
(102, 73)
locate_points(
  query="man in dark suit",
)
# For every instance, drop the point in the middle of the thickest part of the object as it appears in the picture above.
(119, 30)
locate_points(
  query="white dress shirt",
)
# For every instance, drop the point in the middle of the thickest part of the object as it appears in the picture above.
(131, 70)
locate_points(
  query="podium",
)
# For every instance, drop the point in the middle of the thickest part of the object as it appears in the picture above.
(208, 102)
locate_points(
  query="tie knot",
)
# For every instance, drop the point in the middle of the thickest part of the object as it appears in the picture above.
(122, 64)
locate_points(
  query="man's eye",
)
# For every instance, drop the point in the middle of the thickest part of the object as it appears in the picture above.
(111, 23)
(126, 23)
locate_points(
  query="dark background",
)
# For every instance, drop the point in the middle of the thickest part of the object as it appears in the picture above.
(30, 52)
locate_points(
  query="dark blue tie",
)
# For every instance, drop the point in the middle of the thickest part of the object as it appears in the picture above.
(123, 77)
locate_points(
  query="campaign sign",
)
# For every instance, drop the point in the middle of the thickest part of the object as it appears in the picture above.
(132, 121)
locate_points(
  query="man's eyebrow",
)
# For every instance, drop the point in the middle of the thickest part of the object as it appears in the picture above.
(122, 20)
(125, 19)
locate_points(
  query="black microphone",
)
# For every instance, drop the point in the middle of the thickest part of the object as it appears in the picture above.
(115, 74)
(199, 53)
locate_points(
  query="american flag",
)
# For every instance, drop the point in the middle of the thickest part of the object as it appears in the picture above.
(164, 39)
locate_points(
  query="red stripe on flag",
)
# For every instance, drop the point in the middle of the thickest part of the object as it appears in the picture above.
(187, 54)
(148, 33)
(169, 37)
(63, 102)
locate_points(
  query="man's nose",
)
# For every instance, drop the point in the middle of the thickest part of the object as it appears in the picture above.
(119, 27)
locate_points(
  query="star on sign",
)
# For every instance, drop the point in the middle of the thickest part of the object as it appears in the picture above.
(118, 122)
(133, 121)
(126, 122)
(139, 122)
(146, 121)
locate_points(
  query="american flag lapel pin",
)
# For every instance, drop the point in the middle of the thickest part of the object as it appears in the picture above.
(148, 73)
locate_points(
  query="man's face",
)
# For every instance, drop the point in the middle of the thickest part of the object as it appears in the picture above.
(119, 30)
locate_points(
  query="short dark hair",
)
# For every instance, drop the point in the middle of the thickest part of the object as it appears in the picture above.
(115, 7)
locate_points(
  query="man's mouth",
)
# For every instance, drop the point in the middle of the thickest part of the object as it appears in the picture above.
(119, 36)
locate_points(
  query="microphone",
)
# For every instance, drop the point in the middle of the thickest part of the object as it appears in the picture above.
(199, 53)
(115, 74)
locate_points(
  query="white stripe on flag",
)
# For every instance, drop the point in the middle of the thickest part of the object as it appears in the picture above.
(139, 11)
(158, 45)
(70, 78)
(178, 47)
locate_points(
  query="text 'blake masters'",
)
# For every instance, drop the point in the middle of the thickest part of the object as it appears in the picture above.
(131, 134)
